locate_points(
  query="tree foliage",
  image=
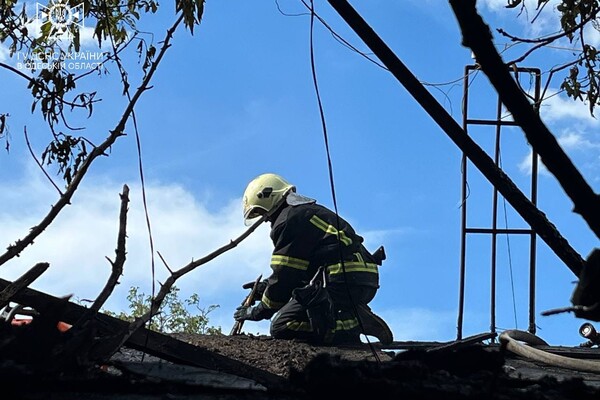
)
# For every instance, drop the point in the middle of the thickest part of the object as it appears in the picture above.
(43, 49)
(173, 315)
(578, 23)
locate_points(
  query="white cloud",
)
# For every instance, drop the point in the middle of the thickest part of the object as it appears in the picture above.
(77, 243)
(525, 166)
(576, 141)
(580, 142)
(375, 238)
(592, 36)
(526, 19)
(571, 142)
(559, 107)
(4, 53)
(87, 38)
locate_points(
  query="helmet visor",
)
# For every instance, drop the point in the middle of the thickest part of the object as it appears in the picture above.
(253, 214)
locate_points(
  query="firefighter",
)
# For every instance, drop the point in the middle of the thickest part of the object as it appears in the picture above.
(323, 277)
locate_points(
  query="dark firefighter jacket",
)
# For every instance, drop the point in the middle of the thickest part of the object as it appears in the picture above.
(305, 237)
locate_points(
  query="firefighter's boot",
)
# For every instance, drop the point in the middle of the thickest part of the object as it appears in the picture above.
(374, 325)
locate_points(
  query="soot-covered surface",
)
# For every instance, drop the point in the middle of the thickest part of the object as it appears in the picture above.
(307, 372)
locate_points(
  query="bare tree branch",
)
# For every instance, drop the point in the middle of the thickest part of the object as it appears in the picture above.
(117, 265)
(552, 72)
(164, 262)
(552, 38)
(16, 248)
(544, 41)
(25, 280)
(528, 52)
(166, 287)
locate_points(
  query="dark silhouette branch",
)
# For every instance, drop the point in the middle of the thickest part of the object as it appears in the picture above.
(108, 56)
(539, 11)
(477, 36)
(25, 280)
(544, 41)
(527, 53)
(552, 72)
(16, 248)
(34, 82)
(170, 281)
(117, 265)
(552, 38)
(164, 262)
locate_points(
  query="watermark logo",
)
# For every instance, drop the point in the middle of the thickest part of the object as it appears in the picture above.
(62, 19)
(60, 15)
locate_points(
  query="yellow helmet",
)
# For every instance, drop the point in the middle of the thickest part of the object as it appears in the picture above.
(262, 194)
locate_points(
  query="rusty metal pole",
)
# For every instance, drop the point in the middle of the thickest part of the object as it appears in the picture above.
(494, 244)
(534, 192)
(463, 221)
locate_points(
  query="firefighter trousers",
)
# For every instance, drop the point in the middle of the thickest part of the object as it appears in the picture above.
(322, 315)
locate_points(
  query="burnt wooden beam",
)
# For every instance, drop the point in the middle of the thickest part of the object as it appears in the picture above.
(478, 37)
(150, 342)
(9, 291)
(469, 341)
(526, 209)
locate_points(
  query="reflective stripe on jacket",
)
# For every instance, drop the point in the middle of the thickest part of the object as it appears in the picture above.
(305, 237)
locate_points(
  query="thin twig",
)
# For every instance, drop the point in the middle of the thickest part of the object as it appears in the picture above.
(109, 58)
(551, 38)
(528, 52)
(539, 11)
(34, 82)
(552, 72)
(164, 262)
(40, 164)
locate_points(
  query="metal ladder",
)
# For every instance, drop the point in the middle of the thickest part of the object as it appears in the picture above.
(497, 124)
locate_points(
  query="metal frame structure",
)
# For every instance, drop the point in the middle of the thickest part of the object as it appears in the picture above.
(494, 231)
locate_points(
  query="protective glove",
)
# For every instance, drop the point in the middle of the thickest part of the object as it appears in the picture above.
(243, 313)
(260, 289)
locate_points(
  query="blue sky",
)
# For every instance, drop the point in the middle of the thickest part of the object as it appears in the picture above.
(236, 100)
